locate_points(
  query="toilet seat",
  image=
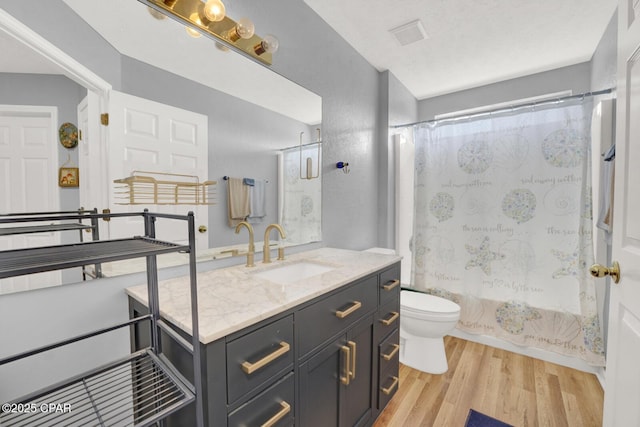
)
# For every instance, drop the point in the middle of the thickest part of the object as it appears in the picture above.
(420, 304)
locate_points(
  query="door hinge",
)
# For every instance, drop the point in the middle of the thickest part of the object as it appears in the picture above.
(104, 119)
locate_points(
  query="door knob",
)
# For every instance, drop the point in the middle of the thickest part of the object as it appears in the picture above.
(598, 270)
(202, 229)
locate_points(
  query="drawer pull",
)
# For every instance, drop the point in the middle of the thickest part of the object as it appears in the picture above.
(286, 408)
(391, 284)
(250, 368)
(342, 314)
(352, 346)
(389, 389)
(393, 318)
(346, 373)
(389, 356)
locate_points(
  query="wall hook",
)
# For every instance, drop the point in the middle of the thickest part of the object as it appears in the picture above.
(344, 166)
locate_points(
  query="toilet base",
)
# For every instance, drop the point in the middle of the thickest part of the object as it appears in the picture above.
(424, 354)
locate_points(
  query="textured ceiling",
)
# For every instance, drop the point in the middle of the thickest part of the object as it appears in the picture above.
(470, 43)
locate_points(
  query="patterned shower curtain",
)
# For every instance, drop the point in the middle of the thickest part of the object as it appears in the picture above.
(503, 225)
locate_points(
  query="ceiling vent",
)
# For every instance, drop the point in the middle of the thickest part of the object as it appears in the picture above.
(409, 33)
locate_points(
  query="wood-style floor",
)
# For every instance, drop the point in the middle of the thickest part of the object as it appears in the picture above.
(516, 389)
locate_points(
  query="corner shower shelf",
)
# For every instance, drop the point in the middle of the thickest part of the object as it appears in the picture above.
(138, 390)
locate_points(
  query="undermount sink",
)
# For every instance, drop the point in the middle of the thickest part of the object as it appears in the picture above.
(293, 272)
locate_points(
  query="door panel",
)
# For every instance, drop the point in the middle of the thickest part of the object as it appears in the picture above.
(149, 137)
(28, 171)
(622, 389)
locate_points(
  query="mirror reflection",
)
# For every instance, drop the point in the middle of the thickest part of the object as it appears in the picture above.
(251, 119)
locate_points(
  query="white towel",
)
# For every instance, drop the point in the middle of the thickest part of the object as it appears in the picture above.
(257, 204)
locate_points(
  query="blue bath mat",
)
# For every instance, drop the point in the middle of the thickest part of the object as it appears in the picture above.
(477, 419)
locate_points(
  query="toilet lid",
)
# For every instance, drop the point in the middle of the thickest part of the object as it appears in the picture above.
(419, 301)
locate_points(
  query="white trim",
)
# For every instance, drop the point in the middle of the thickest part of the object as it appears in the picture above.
(72, 68)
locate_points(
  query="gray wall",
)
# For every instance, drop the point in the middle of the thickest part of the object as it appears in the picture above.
(243, 138)
(575, 77)
(604, 65)
(397, 106)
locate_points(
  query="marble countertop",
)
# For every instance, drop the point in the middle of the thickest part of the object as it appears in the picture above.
(232, 298)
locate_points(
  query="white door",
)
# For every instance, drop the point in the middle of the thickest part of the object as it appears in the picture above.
(154, 138)
(622, 387)
(28, 181)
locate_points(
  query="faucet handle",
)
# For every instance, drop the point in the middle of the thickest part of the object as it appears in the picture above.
(280, 253)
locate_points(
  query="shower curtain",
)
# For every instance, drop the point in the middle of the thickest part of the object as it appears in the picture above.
(503, 225)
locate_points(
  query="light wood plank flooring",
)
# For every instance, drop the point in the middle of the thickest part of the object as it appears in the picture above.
(516, 389)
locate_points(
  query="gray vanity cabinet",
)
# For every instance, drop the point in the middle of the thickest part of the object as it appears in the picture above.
(388, 336)
(336, 381)
(327, 362)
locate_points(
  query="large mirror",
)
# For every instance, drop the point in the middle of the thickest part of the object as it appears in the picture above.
(256, 122)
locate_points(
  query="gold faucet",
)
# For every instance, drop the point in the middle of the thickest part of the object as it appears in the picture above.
(266, 255)
(252, 248)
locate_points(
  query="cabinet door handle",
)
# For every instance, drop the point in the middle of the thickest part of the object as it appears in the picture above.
(342, 314)
(250, 368)
(284, 410)
(393, 318)
(389, 356)
(346, 373)
(389, 389)
(352, 345)
(391, 284)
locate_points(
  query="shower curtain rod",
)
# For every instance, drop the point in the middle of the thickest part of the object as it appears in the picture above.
(509, 108)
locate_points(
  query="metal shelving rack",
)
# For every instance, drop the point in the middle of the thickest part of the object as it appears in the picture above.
(139, 390)
(23, 223)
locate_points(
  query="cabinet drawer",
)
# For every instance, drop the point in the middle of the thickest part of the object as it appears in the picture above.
(389, 351)
(327, 317)
(276, 404)
(388, 318)
(258, 357)
(387, 386)
(390, 284)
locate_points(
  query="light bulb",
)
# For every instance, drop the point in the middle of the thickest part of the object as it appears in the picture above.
(269, 44)
(214, 10)
(244, 29)
(196, 20)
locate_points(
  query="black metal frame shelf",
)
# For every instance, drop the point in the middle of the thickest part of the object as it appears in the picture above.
(138, 390)
(14, 224)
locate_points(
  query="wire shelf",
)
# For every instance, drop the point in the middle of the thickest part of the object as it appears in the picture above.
(136, 391)
(36, 260)
(7, 231)
(163, 189)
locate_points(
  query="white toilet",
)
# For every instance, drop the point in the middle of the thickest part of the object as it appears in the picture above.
(424, 321)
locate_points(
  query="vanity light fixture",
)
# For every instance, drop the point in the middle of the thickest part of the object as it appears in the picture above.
(244, 29)
(208, 17)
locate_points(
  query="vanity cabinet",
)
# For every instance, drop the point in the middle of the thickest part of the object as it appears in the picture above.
(322, 363)
(388, 336)
(336, 381)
